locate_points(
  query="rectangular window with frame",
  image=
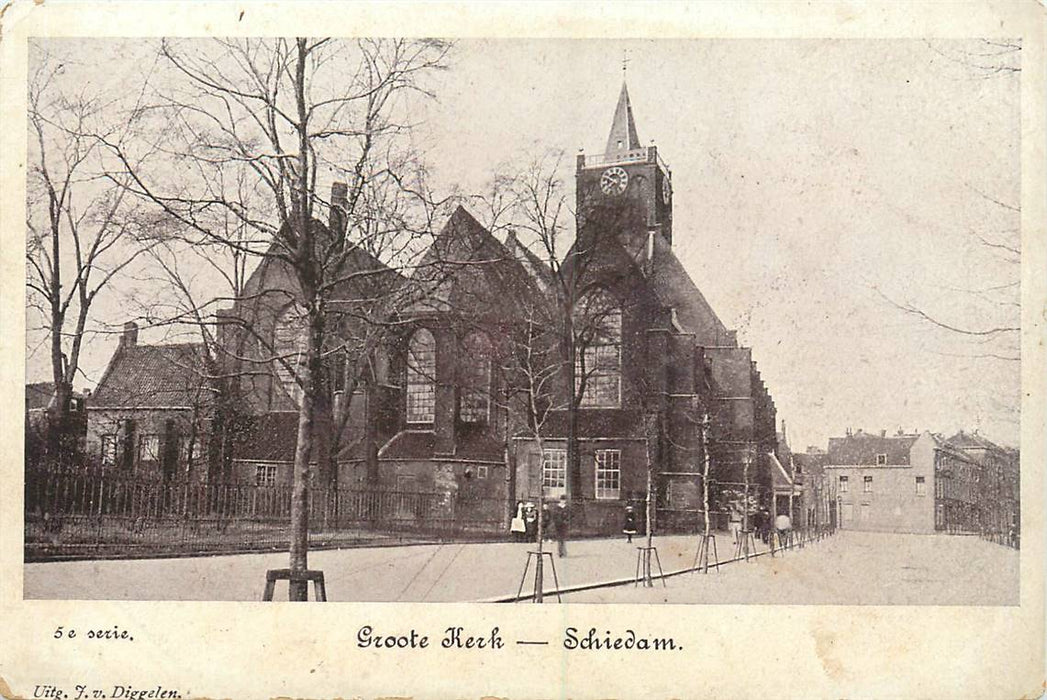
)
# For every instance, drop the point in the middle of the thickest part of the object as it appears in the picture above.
(921, 486)
(867, 484)
(608, 473)
(845, 484)
(554, 471)
(881, 460)
(149, 448)
(265, 475)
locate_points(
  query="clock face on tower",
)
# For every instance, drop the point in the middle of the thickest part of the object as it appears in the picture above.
(613, 181)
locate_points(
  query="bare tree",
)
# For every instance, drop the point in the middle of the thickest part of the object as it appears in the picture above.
(291, 113)
(533, 370)
(532, 201)
(994, 301)
(81, 234)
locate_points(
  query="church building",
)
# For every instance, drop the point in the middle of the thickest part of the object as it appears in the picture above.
(421, 380)
(664, 384)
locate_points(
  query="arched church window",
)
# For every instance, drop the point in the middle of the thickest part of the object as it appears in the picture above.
(288, 347)
(598, 358)
(476, 378)
(421, 377)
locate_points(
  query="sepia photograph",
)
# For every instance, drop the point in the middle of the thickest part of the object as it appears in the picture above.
(644, 321)
(542, 350)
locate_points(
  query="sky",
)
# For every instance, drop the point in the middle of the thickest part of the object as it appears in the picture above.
(811, 180)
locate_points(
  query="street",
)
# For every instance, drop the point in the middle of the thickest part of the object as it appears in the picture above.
(849, 568)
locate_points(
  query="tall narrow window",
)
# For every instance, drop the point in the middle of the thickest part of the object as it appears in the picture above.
(608, 473)
(554, 472)
(598, 359)
(844, 484)
(921, 486)
(475, 372)
(421, 377)
(867, 484)
(109, 443)
(288, 346)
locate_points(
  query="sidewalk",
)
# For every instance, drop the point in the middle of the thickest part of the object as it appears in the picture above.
(421, 573)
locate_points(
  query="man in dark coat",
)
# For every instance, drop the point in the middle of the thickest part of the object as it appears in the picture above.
(561, 523)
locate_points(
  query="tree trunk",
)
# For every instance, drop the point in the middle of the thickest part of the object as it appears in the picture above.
(510, 472)
(705, 471)
(299, 551)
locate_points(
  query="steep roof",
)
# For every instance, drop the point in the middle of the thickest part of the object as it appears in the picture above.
(154, 376)
(862, 448)
(538, 268)
(467, 266)
(623, 127)
(964, 440)
(675, 289)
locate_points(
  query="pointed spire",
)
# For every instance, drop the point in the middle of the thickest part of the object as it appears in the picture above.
(623, 130)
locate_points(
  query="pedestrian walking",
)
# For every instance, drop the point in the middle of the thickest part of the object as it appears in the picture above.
(734, 519)
(517, 528)
(561, 524)
(783, 524)
(629, 528)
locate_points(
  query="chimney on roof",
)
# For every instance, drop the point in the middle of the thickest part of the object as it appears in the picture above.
(339, 206)
(848, 432)
(129, 338)
(883, 433)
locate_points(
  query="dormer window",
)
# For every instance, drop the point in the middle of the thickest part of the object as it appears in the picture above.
(881, 460)
(421, 377)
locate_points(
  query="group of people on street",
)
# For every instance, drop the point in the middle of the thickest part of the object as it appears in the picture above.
(555, 520)
(761, 522)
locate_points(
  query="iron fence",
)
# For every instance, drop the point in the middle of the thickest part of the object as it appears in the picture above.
(68, 512)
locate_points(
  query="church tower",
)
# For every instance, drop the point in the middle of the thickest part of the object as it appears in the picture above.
(627, 170)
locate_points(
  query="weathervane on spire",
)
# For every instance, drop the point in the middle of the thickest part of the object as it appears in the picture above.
(625, 61)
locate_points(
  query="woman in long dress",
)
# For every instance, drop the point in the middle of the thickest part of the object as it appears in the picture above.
(517, 528)
(629, 528)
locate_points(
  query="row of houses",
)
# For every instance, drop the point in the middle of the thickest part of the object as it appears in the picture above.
(662, 384)
(909, 482)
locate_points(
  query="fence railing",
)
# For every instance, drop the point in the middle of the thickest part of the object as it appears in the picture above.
(70, 509)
